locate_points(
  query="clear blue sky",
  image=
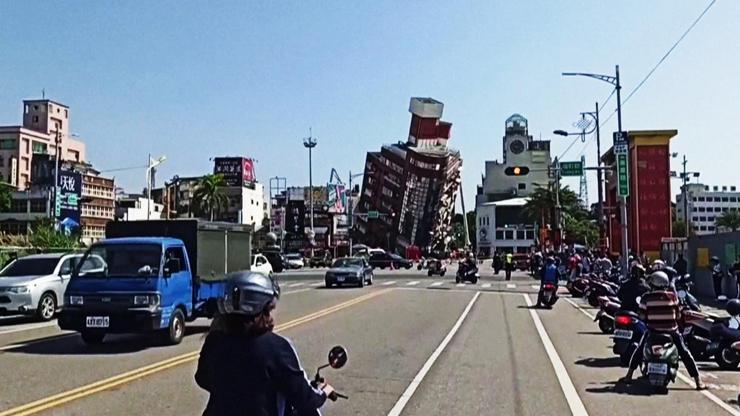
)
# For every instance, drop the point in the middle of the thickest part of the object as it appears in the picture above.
(192, 81)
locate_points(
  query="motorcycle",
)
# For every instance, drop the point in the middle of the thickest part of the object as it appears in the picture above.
(597, 288)
(660, 361)
(466, 274)
(435, 266)
(548, 295)
(628, 331)
(609, 306)
(423, 264)
(578, 286)
(683, 289)
(697, 329)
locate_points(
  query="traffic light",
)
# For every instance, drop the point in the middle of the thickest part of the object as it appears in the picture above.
(516, 171)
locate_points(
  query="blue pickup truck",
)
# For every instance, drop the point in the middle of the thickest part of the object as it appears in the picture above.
(153, 276)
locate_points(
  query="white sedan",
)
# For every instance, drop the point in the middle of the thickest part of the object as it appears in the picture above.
(261, 265)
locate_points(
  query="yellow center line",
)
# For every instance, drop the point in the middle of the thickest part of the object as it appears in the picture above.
(129, 376)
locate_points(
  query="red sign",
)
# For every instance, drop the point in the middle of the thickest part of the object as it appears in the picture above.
(248, 170)
(653, 196)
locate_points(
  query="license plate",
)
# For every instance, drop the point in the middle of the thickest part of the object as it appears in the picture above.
(547, 293)
(687, 330)
(622, 334)
(97, 322)
(340, 278)
(657, 368)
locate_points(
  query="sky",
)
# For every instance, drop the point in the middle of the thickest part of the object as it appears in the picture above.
(195, 80)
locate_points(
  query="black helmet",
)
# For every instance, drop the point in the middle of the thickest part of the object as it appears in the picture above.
(733, 307)
(715, 258)
(248, 293)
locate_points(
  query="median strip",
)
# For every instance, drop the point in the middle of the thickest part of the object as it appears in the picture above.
(129, 376)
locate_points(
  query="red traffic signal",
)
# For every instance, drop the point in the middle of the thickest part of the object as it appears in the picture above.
(516, 171)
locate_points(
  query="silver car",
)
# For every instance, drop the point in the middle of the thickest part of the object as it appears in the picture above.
(34, 285)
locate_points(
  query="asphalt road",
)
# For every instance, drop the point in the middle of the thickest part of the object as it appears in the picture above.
(417, 345)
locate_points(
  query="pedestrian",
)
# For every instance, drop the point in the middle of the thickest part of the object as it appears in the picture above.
(660, 311)
(508, 265)
(246, 367)
(717, 276)
(735, 271)
(681, 265)
(497, 262)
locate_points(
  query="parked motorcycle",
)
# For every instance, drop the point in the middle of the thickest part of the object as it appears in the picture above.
(609, 306)
(436, 266)
(660, 361)
(466, 274)
(578, 286)
(598, 288)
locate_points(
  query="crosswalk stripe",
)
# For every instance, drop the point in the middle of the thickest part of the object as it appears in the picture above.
(510, 286)
(438, 283)
(534, 286)
(296, 285)
(389, 283)
(460, 284)
(317, 284)
(414, 283)
(486, 285)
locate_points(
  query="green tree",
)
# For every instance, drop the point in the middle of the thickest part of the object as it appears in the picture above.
(581, 229)
(541, 205)
(209, 195)
(44, 235)
(458, 231)
(5, 197)
(679, 228)
(729, 220)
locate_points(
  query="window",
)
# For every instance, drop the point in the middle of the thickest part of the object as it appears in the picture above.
(724, 209)
(8, 144)
(695, 209)
(733, 199)
(520, 235)
(508, 234)
(701, 199)
(711, 218)
(710, 228)
(695, 199)
(499, 234)
(176, 253)
(530, 234)
(522, 186)
(37, 147)
(702, 209)
(716, 198)
(66, 113)
(35, 119)
(695, 219)
(725, 199)
(703, 228)
(2, 161)
(717, 209)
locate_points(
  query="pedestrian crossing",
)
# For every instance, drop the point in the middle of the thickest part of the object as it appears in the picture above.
(299, 286)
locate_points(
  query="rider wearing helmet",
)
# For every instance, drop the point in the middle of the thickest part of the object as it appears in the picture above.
(548, 274)
(660, 311)
(244, 365)
(717, 277)
(657, 265)
(632, 289)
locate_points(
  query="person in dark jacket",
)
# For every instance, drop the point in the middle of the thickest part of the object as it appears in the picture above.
(681, 266)
(717, 277)
(498, 263)
(245, 366)
(633, 288)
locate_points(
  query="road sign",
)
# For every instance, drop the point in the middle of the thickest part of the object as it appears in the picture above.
(619, 139)
(371, 215)
(621, 148)
(571, 168)
(623, 175)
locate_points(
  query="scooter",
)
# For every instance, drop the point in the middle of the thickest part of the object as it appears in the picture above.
(628, 331)
(609, 305)
(465, 274)
(578, 286)
(436, 266)
(599, 288)
(336, 360)
(548, 295)
(660, 361)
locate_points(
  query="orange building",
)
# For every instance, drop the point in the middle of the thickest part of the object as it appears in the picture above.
(649, 200)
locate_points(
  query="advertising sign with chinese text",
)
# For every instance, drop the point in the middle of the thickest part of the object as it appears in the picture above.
(67, 203)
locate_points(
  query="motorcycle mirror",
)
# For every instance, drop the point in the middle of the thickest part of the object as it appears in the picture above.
(337, 357)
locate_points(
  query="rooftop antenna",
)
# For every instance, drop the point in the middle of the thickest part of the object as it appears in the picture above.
(43, 93)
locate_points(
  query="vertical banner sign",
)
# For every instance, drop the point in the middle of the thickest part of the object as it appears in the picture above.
(67, 202)
(248, 170)
(623, 175)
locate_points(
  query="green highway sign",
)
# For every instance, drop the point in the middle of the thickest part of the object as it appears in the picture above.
(623, 175)
(571, 168)
(372, 215)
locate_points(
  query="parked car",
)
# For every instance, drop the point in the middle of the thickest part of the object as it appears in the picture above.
(383, 260)
(260, 264)
(320, 260)
(349, 270)
(294, 260)
(34, 285)
(521, 262)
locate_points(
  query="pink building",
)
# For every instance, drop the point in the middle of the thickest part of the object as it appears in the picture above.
(45, 123)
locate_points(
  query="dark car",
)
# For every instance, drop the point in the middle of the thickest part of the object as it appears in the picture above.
(383, 260)
(349, 270)
(521, 262)
(320, 260)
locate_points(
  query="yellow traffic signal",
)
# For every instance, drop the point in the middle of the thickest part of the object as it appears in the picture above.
(516, 171)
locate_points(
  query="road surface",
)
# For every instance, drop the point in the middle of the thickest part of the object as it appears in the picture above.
(417, 345)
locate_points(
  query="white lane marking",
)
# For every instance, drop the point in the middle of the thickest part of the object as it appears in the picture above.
(460, 285)
(28, 327)
(438, 283)
(510, 286)
(566, 384)
(389, 283)
(295, 285)
(305, 289)
(534, 286)
(710, 375)
(486, 285)
(414, 283)
(719, 402)
(316, 284)
(406, 396)
(585, 312)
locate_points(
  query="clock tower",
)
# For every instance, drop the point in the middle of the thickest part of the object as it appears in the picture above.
(516, 140)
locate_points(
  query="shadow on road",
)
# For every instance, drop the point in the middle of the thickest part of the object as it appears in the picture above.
(599, 362)
(72, 344)
(639, 387)
(16, 320)
(591, 333)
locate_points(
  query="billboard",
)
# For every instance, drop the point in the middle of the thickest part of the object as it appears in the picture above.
(67, 202)
(236, 171)
(295, 217)
(653, 197)
(336, 198)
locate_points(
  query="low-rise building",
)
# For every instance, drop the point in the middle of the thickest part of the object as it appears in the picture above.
(137, 208)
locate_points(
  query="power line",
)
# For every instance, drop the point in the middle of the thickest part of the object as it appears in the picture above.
(649, 74)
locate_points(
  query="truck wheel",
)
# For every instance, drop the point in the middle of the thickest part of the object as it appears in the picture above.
(176, 330)
(92, 337)
(47, 307)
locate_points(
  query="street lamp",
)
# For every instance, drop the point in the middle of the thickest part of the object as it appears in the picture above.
(152, 164)
(595, 116)
(614, 80)
(351, 208)
(309, 143)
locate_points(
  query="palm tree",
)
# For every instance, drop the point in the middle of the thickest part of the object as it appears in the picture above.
(209, 194)
(541, 205)
(729, 219)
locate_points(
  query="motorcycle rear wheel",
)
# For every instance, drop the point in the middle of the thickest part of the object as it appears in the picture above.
(606, 325)
(726, 358)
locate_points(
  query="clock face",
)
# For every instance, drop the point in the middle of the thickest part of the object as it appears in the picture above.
(516, 147)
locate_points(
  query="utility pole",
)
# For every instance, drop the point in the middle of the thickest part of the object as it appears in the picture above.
(558, 229)
(309, 143)
(600, 208)
(465, 215)
(684, 191)
(58, 142)
(625, 227)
